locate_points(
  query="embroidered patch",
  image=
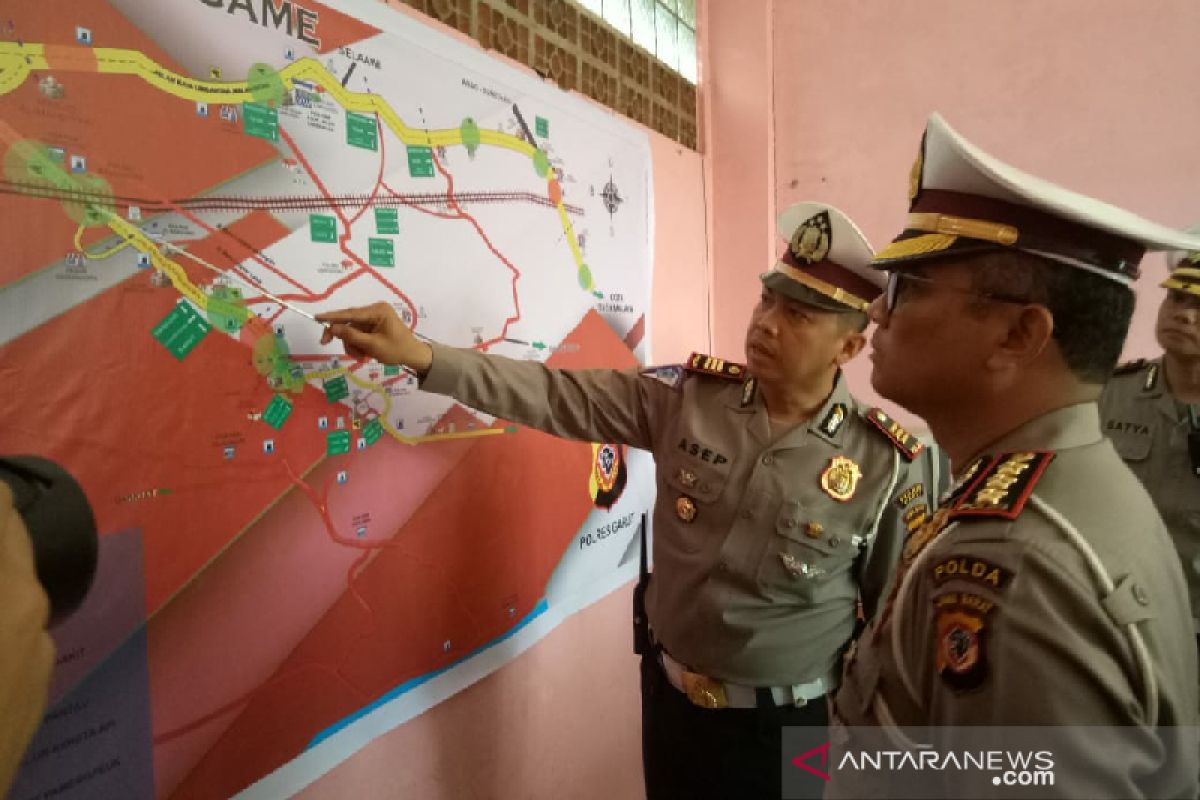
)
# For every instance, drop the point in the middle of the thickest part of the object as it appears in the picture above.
(970, 568)
(669, 375)
(905, 498)
(915, 517)
(840, 478)
(718, 367)
(833, 420)
(960, 647)
(919, 539)
(908, 444)
(1003, 487)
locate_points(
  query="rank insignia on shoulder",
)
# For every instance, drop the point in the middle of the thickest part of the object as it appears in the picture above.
(1129, 366)
(840, 478)
(1002, 488)
(910, 447)
(718, 367)
(671, 375)
(833, 420)
(961, 645)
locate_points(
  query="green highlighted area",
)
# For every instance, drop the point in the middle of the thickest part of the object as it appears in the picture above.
(38, 170)
(181, 330)
(337, 443)
(470, 135)
(542, 126)
(266, 85)
(261, 121)
(541, 163)
(227, 309)
(361, 131)
(373, 431)
(322, 228)
(381, 253)
(387, 220)
(585, 279)
(420, 162)
(273, 361)
(337, 389)
(277, 411)
(390, 371)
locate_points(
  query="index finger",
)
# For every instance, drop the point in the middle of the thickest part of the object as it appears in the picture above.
(357, 314)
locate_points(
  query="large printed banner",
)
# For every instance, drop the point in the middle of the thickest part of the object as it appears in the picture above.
(299, 551)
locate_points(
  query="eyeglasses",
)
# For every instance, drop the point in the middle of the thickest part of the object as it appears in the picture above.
(897, 280)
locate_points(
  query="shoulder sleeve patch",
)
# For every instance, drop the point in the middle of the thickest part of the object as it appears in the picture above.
(671, 375)
(1002, 488)
(908, 445)
(717, 367)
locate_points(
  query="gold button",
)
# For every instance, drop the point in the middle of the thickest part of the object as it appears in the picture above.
(685, 509)
(814, 530)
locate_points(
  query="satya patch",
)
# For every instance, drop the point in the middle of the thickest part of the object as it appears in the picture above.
(909, 446)
(960, 646)
(1003, 487)
(717, 367)
(840, 478)
(905, 498)
(972, 569)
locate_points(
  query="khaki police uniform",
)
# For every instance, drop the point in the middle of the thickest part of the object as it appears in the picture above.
(762, 542)
(1045, 591)
(1150, 430)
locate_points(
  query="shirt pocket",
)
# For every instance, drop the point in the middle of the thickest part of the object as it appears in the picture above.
(805, 555)
(1132, 447)
(694, 498)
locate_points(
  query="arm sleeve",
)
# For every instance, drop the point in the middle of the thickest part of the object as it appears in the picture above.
(598, 405)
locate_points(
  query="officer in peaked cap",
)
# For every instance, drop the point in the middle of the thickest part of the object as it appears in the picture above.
(782, 502)
(1151, 411)
(1044, 591)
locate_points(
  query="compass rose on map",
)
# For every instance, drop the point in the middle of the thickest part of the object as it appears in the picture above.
(612, 197)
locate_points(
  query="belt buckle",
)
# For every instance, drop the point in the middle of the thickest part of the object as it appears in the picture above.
(704, 691)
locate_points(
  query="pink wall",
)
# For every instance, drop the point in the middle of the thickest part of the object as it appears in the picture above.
(1099, 95)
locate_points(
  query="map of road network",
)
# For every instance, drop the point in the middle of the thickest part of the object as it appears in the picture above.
(299, 551)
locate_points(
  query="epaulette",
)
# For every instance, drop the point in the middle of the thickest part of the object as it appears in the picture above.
(1002, 488)
(908, 445)
(718, 367)
(1130, 366)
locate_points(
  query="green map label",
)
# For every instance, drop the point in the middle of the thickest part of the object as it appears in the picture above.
(277, 412)
(322, 228)
(381, 253)
(337, 443)
(261, 121)
(336, 389)
(373, 431)
(542, 126)
(361, 131)
(387, 220)
(181, 330)
(420, 162)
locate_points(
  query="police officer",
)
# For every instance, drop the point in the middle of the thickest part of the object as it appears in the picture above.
(1151, 411)
(1044, 591)
(781, 502)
